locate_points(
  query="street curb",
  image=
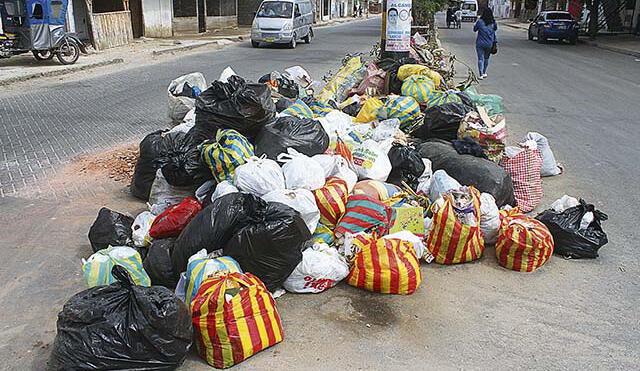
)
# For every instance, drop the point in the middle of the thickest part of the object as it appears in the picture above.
(65, 71)
(185, 48)
(612, 48)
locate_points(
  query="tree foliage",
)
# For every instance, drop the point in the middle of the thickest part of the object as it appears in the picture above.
(424, 11)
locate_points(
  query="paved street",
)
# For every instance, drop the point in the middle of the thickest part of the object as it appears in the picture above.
(580, 314)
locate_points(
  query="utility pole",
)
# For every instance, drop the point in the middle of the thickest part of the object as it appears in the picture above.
(395, 35)
(593, 18)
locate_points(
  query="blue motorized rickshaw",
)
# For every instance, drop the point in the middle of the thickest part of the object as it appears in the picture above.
(37, 26)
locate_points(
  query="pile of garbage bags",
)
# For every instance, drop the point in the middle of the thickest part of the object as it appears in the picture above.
(281, 184)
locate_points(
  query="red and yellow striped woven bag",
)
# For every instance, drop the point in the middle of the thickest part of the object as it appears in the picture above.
(387, 266)
(524, 243)
(233, 328)
(332, 201)
(451, 242)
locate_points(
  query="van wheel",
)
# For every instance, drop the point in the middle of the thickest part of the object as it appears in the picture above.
(255, 44)
(573, 40)
(309, 37)
(294, 42)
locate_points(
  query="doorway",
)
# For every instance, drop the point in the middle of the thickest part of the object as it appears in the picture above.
(80, 15)
(135, 7)
(202, 20)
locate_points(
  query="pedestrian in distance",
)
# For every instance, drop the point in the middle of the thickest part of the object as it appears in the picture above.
(486, 28)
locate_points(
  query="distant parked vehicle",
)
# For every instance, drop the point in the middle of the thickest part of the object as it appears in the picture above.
(283, 22)
(37, 26)
(469, 10)
(554, 25)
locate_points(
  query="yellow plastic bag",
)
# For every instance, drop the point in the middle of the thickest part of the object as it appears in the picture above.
(369, 110)
(417, 69)
(347, 77)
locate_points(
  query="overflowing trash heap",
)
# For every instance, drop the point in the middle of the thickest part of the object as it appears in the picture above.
(284, 184)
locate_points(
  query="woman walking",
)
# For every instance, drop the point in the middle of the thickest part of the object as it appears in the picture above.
(486, 28)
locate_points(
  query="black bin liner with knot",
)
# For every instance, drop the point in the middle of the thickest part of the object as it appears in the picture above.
(271, 247)
(442, 122)
(237, 105)
(305, 135)
(569, 240)
(406, 165)
(122, 326)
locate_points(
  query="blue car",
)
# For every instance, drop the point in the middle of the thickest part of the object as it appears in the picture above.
(554, 25)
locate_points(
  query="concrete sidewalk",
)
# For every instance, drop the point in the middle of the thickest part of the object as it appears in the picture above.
(622, 43)
(143, 50)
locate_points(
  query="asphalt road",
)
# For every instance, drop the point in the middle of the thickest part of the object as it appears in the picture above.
(570, 314)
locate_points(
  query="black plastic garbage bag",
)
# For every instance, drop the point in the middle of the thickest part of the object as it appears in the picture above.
(468, 146)
(441, 122)
(304, 135)
(283, 85)
(466, 100)
(352, 109)
(145, 170)
(391, 66)
(122, 327)
(406, 165)
(179, 160)
(232, 105)
(271, 247)
(569, 240)
(283, 103)
(214, 226)
(158, 265)
(468, 170)
(110, 228)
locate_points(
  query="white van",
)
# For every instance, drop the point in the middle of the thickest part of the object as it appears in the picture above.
(283, 22)
(469, 10)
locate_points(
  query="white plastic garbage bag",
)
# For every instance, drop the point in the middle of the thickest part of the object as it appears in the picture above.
(489, 218)
(299, 75)
(259, 176)
(424, 181)
(226, 73)
(549, 165)
(563, 203)
(440, 183)
(337, 166)
(223, 188)
(163, 194)
(301, 171)
(140, 229)
(301, 200)
(187, 124)
(371, 161)
(178, 105)
(417, 242)
(335, 121)
(386, 129)
(204, 189)
(321, 267)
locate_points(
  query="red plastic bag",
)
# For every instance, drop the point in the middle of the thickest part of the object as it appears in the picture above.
(173, 220)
